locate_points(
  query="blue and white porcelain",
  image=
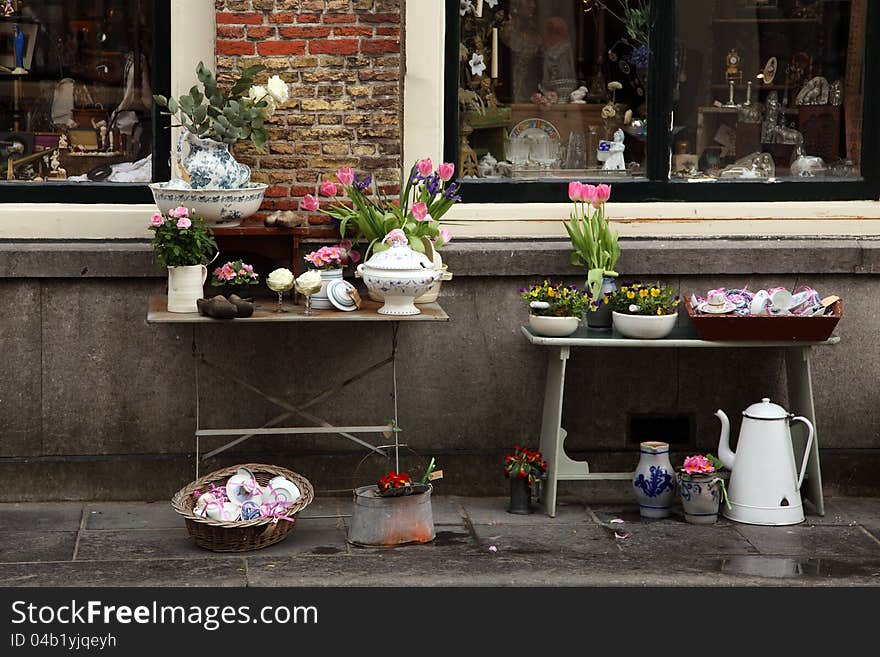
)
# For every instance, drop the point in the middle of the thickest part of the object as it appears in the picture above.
(400, 275)
(321, 300)
(654, 480)
(209, 164)
(219, 207)
(700, 497)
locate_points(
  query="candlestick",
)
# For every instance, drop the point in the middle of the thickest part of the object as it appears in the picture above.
(494, 52)
(478, 12)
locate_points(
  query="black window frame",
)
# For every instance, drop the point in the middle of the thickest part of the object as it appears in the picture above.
(60, 191)
(657, 186)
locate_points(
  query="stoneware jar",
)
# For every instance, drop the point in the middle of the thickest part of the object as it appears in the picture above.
(209, 164)
(700, 497)
(400, 275)
(185, 287)
(321, 300)
(654, 480)
(600, 319)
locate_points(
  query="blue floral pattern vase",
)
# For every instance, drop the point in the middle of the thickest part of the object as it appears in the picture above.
(209, 164)
(654, 481)
(700, 497)
(600, 319)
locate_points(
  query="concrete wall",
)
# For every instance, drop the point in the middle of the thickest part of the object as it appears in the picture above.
(97, 404)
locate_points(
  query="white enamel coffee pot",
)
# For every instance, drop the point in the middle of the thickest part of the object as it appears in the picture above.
(764, 487)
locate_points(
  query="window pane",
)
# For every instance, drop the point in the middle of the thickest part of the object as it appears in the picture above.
(768, 90)
(75, 90)
(553, 90)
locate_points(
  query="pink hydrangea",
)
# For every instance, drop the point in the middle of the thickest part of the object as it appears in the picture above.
(698, 464)
(157, 220)
(184, 223)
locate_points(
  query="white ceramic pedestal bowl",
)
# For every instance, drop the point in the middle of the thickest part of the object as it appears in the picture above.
(553, 327)
(400, 275)
(219, 207)
(644, 327)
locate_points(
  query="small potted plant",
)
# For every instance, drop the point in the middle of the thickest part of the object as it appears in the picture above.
(330, 260)
(701, 488)
(184, 245)
(595, 247)
(235, 277)
(555, 310)
(524, 467)
(644, 311)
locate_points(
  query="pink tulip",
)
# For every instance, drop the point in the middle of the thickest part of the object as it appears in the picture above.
(328, 188)
(589, 193)
(603, 193)
(309, 203)
(574, 190)
(157, 220)
(426, 167)
(346, 176)
(445, 235)
(447, 170)
(354, 256)
(183, 223)
(420, 211)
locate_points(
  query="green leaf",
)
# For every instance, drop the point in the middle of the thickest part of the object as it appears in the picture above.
(173, 106)
(196, 95)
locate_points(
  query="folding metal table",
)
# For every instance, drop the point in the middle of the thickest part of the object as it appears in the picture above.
(562, 468)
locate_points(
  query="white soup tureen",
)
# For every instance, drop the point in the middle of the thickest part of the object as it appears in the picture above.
(400, 274)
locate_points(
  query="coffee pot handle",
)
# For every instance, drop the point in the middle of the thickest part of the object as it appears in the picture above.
(807, 450)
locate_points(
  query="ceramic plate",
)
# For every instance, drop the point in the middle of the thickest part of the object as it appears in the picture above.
(535, 128)
(337, 292)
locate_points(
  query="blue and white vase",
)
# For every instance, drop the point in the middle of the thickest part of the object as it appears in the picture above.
(209, 164)
(654, 481)
(321, 300)
(600, 319)
(700, 497)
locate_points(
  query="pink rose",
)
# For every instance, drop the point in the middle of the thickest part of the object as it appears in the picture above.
(447, 170)
(329, 188)
(309, 203)
(574, 190)
(426, 167)
(345, 176)
(603, 193)
(179, 212)
(157, 220)
(420, 211)
(183, 223)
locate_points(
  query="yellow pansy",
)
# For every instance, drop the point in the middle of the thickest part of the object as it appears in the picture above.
(551, 292)
(643, 293)
(655, 292)
(605, 300)
(659, 311)
(534, 293)
(630, 295)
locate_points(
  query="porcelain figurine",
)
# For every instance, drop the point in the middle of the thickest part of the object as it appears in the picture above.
(611, 153)
(8, 9)
(18, 44)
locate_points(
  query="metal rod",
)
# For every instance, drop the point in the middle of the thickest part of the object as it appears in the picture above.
(394, 327)
(294, 430)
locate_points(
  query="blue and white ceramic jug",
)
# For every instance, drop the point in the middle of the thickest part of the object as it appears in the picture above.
(654, 481)
(209, 163)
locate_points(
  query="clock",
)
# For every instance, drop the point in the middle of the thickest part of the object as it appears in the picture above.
(732, 62)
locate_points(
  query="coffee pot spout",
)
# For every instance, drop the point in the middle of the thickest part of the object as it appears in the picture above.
(724, 452)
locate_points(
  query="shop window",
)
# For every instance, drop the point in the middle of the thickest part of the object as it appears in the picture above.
(757, 99)
(77, 120)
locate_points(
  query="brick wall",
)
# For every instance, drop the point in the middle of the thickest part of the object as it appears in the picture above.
(343, 61)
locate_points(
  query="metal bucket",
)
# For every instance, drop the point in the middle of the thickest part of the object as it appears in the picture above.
(388, 521)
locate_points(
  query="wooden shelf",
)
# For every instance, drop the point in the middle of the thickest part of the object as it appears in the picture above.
(765, 21)
(256, 230)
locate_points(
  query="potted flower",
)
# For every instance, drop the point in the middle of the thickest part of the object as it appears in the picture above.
(702, 489)
(644, 311)
(524, 467)
(184, 245)
(235, 277)
(426, 196)
(555, 310)
(595, 247)
(329, 260)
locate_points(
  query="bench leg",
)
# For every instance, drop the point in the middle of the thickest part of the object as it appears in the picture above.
(800, 401)
(552, 433)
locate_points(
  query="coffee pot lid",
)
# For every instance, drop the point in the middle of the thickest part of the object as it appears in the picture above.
(766, 410)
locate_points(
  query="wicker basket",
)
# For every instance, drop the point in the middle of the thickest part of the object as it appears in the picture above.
(767, 328)
(241, 535)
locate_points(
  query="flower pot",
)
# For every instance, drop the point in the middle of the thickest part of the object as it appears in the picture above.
(600, 318)
(388, 521)
(654, 480)
(700, 497)
(321, 300)
(644, 327)
(520, 496)
(185, 287)
(209, 164)
(553, 327)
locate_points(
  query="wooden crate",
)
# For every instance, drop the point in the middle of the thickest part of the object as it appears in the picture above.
(766, 328)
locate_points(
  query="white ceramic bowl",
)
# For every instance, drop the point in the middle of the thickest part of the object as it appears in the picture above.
(219, 207)
(553, 327)
(643, 327)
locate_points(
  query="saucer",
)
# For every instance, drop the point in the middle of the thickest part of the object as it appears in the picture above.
(716, 308)
(238, 493)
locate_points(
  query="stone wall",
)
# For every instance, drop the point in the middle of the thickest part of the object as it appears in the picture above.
(343, 61)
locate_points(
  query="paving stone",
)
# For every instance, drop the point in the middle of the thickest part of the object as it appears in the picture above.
(18, 547)
(493, 511)
(324, 507)
(672, 536)
(152, 515)
(815, 541)
(584, 539)
(40, 517)
(776, 567)
(228, 571)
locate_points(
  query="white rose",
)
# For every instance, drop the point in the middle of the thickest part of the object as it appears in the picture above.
(280, 280)
(259, 93)
(279, 90)
(309, 282)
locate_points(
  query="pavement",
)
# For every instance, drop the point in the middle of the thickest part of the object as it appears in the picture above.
(477, 544)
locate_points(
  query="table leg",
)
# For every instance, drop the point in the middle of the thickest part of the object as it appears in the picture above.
(800, 401)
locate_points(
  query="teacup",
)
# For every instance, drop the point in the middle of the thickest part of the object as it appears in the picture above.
(205, 499)
(229, 513)
(291, 490)
(250, 510)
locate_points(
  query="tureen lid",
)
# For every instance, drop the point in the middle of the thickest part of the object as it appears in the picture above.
(766, 410)
(399, 257)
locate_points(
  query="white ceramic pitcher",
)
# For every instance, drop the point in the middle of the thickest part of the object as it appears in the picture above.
(185, 287)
